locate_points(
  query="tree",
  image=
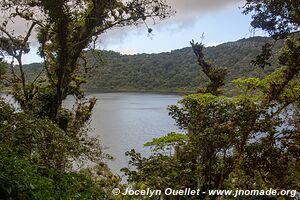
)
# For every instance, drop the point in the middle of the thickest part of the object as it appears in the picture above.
(277, 17)
(2, 71)
(215, 75)
(45, 138)
(64, 29)
(250, 140)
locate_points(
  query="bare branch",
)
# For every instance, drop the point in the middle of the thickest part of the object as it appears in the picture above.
(29, 32)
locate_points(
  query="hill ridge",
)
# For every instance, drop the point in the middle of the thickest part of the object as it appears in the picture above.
(176, 70)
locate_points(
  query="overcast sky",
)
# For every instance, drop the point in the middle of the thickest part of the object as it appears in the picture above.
(219, 20)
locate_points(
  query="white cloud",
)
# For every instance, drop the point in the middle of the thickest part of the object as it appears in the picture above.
(187, 12)
(212, 44)
(128, 51)
(189, 9)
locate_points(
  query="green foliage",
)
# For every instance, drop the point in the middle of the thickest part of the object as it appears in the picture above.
(44, 139)
(172, 71)
(262, 59)
(216, 75)
(35, 154)
(167, 142)
(277, 17)
(3, 69)
(248, 84)
(64, 30)
(21, 179)
(249, 141)
(175, 70)
(158, 171)
(236, 142)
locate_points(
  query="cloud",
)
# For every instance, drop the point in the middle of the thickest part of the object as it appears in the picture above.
(19, 27)
(114, 36)
(187, 12)
(189, 9)
(128, 51)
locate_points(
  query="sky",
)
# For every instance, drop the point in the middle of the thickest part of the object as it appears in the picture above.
(218, 20)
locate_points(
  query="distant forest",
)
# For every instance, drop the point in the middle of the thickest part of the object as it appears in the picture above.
(174, 71)
(233, 141)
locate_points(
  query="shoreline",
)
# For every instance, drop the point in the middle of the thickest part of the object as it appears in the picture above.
(91, 91)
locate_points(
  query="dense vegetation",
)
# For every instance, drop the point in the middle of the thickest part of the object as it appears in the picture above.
(250, 140)
(172, 71)
(45, 150)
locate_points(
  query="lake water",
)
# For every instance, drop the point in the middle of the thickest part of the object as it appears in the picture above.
(125, 121)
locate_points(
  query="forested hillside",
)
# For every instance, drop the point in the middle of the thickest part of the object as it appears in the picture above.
(239, 146)
(171, 71)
